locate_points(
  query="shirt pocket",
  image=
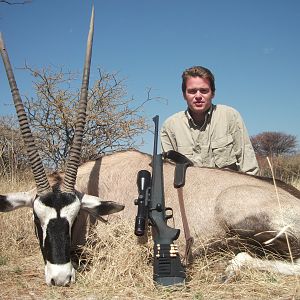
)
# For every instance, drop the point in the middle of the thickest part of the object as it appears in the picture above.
(223, 152)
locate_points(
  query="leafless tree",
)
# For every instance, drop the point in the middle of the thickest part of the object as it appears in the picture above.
(274, 143)
(114, 120)
(15, 2)
(12, 153)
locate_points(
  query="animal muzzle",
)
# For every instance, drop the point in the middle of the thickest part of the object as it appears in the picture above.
(59, 274)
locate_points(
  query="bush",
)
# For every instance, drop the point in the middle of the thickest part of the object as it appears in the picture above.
(285, 168)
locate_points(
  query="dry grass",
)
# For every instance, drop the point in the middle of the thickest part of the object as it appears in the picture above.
(285, 168)
(119, 268)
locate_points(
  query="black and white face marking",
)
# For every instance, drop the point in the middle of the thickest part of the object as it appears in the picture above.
(54, 215)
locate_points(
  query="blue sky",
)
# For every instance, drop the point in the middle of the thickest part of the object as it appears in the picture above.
(252, 47)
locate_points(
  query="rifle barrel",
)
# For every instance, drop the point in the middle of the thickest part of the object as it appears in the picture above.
(155, 120)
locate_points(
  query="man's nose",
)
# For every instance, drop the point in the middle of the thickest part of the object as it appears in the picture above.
(198, 94)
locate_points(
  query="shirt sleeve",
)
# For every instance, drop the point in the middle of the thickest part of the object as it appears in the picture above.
(167, 139)
(246, 159)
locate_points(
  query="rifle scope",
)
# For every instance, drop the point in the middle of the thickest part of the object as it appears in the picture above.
(143, 184)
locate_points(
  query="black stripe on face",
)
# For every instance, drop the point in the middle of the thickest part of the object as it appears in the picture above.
(57, 200)
(4, 204)
(39, 233)
(58, 241)
(54, 215)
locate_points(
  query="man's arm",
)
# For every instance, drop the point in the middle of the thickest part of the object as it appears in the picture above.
(167, 139)
(246, 159)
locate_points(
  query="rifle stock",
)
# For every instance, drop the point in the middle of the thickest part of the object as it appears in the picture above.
(167, 267)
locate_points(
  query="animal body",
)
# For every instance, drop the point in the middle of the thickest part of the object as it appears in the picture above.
(56, 208)
(219, 204)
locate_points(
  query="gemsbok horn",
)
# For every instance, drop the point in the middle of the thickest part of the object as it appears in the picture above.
(56, 209)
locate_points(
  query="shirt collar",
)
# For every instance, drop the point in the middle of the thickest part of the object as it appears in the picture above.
(207, 116)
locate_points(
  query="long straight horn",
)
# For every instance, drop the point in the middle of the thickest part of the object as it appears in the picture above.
(33, 155)
(75, 151)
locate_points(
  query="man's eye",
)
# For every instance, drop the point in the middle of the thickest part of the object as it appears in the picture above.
(193, 91)
(204, 91)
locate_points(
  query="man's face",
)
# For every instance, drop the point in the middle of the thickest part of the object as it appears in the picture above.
(198, 95)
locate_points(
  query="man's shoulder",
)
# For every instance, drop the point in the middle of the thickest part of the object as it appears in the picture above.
(223, 107)
(175, 117)
(225, 110)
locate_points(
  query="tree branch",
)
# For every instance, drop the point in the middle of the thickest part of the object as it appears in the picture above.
(14, 3)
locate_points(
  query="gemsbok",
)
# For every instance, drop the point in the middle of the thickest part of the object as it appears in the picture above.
(55, 208)
(223, 208)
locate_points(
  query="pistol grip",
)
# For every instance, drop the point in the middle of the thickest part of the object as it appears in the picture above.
(182, 163)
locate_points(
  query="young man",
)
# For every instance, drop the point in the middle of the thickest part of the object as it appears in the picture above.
(209, 135)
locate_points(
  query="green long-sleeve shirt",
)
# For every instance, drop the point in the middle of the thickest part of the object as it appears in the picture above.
(222, 141)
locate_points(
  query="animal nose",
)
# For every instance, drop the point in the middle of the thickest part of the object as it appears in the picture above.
(57, 282)
(59, 274)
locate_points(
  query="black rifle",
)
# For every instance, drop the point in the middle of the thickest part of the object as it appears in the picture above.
(167, 267)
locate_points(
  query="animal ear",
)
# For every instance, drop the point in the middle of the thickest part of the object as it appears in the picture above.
(97, 207)
(13, 201)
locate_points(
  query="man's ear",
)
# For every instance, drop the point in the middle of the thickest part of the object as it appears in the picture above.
(13, 201)
(97, 207)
